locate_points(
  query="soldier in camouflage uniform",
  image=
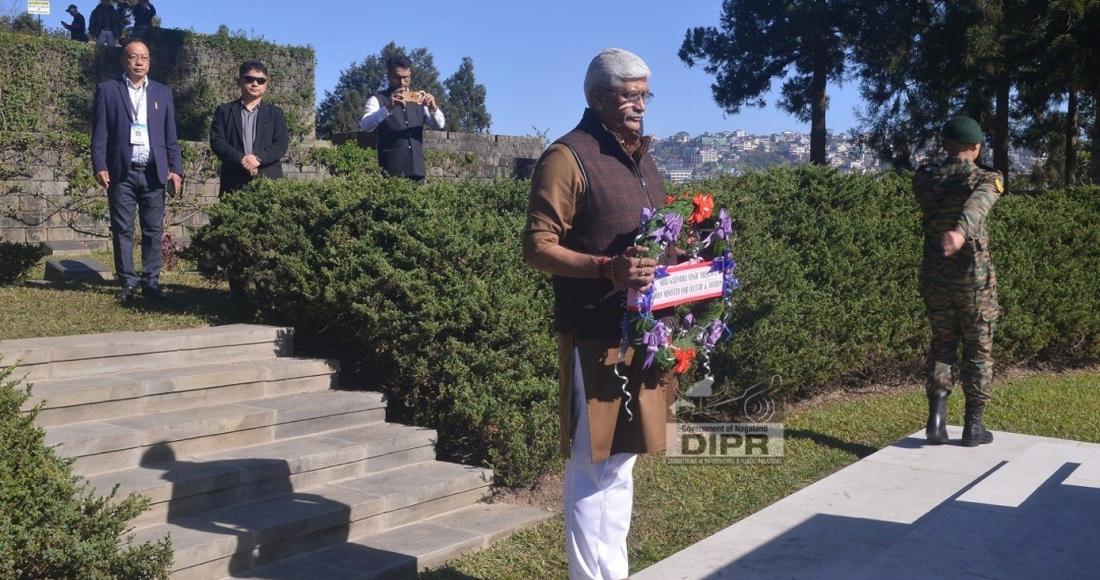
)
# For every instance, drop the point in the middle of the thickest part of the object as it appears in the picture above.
(957, 280)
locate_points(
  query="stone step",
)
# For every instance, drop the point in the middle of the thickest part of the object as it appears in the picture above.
(113, 444)
(239, 538)
(197, 484)
(405, 550)
(99, 397)
(91, 354)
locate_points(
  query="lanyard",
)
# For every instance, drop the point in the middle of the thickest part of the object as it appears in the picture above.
(140, 101)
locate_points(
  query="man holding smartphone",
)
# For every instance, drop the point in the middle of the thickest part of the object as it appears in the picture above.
(400, 115)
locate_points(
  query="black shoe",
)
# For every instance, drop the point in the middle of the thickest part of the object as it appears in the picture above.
(936, 430)
(974, 433)
(153, 291)
(124, 294)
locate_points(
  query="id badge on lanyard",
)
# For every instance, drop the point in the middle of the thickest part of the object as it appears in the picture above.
(139, 132)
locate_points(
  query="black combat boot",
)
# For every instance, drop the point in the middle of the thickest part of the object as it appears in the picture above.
(936, 431)
(974, 433)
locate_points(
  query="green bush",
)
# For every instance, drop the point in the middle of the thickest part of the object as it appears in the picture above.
(423, 291)
(16, 260)
(51, 526)
(829, 266)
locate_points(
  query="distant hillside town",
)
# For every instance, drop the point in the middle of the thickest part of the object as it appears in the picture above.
(683, 157)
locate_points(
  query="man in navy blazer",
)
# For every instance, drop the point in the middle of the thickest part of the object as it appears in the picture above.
(248, 135)
(135, 155)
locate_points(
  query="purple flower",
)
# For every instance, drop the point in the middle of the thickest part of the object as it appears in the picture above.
(721, 231)
(645, 301)
(654, 339)
(647, 214)
(669, 231)
(725, 225)
(689, 319)
(710, 335)
(660, 272)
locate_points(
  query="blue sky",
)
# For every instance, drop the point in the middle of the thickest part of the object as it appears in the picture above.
(531, 55)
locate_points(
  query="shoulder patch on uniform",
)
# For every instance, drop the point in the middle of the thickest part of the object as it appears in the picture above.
(999, 184)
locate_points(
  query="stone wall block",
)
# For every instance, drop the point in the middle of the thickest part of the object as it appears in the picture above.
(13, 235)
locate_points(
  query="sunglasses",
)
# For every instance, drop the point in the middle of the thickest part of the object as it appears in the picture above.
(249, 79)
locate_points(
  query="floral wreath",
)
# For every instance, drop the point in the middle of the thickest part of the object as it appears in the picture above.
(682, 338)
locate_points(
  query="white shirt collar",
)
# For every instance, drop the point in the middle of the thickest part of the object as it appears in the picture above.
(130, 84)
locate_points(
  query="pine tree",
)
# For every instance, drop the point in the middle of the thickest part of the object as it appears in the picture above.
(805, 43)
(466, 101)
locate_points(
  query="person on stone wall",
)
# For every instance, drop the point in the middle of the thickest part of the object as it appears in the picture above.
(144, 11)
(123, 12)
(249, 136)
(102, 25)
(586, 199)
(77, 30)
(135, 155)
(400, 115)
(957, 280)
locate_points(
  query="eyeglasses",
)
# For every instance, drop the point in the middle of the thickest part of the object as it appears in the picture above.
(636, 97)
(249, 79)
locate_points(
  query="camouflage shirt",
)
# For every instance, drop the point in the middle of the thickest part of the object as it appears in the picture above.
(957, 194)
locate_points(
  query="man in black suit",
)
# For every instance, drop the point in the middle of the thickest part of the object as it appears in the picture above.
(248, 135)
(135, 156)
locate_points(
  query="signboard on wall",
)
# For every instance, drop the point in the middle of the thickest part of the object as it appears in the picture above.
(39, 7)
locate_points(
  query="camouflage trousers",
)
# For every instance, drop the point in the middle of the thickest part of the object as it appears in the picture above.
(967, 317)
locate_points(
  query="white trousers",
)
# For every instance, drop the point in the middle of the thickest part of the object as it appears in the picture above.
(598, 500)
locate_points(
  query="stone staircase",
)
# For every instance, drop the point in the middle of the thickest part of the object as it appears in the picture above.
(255, 465)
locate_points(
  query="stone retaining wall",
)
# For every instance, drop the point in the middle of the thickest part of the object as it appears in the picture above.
(469, 155)
(37, 187)
(34, 202)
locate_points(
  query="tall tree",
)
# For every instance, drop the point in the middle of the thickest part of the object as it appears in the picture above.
(466, 100)
(1089, 35)
(803, 42)
(1058, 78)
(343, 106)
(921, 62)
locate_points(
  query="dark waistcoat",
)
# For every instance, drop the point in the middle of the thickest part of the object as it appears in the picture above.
(618, 188)
(401, 139)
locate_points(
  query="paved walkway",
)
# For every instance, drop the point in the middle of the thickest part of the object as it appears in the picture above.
(1022, 507)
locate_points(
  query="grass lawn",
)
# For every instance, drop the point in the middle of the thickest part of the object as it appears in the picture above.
(678, 505)
(30, 311)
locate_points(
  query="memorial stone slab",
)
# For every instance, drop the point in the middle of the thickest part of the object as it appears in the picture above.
(77, 270)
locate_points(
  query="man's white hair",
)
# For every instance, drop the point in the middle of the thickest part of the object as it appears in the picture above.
(610, 68)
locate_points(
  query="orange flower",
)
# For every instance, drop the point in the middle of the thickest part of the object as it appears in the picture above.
(704, 206)
(684, 358)
(669, 199)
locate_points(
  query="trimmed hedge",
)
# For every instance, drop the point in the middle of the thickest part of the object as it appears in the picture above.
(51, 526)
(48, 83)
(423, 290)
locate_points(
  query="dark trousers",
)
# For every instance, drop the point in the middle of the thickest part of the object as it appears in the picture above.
(141, 194)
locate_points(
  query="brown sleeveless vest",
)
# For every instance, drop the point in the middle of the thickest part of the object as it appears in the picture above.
(618, 188)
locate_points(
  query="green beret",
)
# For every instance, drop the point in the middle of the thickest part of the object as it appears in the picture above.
(962, 129)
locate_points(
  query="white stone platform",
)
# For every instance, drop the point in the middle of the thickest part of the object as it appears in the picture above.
(1021, 507)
